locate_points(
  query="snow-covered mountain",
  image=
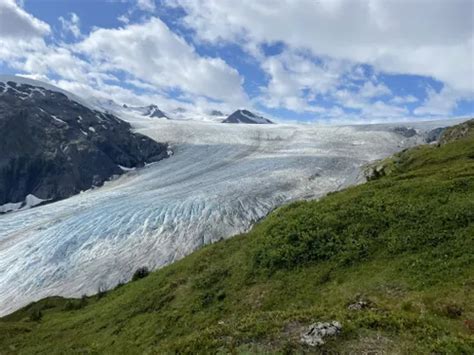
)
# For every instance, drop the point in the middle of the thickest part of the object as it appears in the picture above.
(154, 111)
(53, 144)
(245, 116)
(137, 114)
(151, 111)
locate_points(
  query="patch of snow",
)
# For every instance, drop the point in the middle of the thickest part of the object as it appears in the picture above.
(40, 90)
(254, 118)
(58, 119)
(10, 207)
(124, 168)
(32, 200)
(92, 129)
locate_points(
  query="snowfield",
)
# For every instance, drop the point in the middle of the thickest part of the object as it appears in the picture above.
(220, 179)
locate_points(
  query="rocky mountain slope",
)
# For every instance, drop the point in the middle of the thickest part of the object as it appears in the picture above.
(245, 116)
(384, 267)
(462, 130)
(52, 146)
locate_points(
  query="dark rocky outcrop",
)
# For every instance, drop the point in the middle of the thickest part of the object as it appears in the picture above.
(405, 131)
(245, 116)
(434, 135)
(216, 113)
(457, 132)
(53, 147)
(154, 111)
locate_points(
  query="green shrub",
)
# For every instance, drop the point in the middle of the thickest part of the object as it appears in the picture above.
(36, 315)
(75, 304)
(140, 273)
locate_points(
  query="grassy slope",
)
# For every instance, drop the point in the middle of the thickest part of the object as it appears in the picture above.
(404, 242)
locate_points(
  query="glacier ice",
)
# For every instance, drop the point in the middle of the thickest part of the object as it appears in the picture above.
(219, 181)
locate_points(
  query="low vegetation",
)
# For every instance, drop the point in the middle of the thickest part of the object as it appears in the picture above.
(140, 273)
(392, 260)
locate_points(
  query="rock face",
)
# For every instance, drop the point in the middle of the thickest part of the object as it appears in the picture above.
(434, 134)
(457, 132)
(154, 111)
(52, 147)
(316, 333)
(216, 113)
(405, 131)
(245, 116)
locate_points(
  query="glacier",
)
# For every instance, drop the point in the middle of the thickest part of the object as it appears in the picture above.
(219, 181)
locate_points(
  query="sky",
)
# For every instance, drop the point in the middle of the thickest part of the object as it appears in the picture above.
(293, 60)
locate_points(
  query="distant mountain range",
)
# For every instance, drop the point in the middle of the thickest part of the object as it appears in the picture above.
(133, 113)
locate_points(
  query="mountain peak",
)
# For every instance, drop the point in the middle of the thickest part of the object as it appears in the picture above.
(153, 111)
(246, 116)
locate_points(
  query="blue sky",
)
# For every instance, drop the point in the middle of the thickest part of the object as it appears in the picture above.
(312, 61)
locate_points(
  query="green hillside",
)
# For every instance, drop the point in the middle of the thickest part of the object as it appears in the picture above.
(402, 245)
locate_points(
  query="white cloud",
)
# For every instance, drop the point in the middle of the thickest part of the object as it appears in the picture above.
(146, 5)
(380, 109)
(295, 79)
(425, 37)
(372, 90)
(320, 59)
(16, 23)
(71, 25)
(402, 100)
(440, 103)
(366, 99)
(124, 19)
(146, 54)
(151, 52)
